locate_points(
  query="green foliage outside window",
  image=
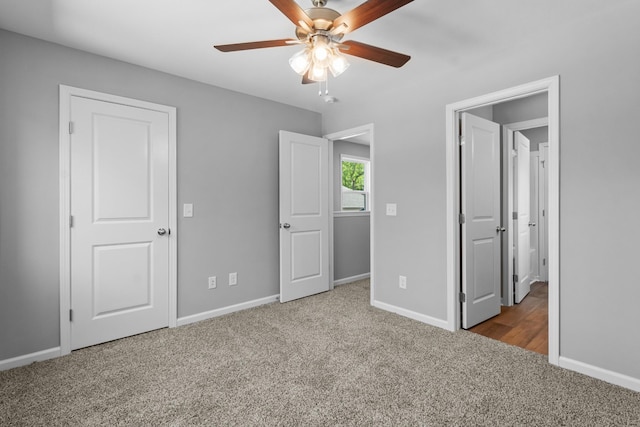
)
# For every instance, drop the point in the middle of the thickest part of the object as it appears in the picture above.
(353, 175)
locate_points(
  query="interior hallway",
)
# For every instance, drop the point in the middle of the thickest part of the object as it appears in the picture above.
(524, 325)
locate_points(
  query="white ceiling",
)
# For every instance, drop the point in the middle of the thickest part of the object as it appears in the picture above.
(176, 36)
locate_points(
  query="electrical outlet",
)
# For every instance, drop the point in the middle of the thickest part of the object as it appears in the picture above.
(392, 209)
(403, 282)
(212, 282)
(233, 279)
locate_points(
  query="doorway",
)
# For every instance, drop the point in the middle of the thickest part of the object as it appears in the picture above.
(454, 253)
(354, 220)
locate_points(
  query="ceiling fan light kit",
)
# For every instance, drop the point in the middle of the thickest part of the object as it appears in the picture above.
(321, 30)
(319, 55)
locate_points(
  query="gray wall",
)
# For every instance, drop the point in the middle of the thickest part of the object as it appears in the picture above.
(351, 250)
(220, 133)
(351, 234)
(599, 174)
(519, 110)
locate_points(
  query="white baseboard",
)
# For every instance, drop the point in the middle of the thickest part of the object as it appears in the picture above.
(27, 359)
(600, 373)
(351, 279)
(412, 315)
(226, 310)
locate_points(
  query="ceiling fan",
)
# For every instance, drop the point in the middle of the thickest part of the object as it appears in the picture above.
(320, 30)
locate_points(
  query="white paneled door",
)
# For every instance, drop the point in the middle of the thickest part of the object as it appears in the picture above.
(481, 229)
(534, 195)
(523, 283)
(304, 216)
(119, 179)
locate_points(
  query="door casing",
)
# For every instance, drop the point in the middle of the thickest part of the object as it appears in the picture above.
(65, 93)
(550, 85)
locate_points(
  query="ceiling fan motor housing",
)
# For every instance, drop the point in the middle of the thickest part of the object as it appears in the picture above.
(322, 18)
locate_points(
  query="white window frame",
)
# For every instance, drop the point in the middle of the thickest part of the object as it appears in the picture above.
(367, 180)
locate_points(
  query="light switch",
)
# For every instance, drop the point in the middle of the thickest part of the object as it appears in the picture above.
(391, 209)
(187, 211)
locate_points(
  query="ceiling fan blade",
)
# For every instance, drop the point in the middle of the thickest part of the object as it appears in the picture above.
(367, 12)
(377, 54)
(254, 45)
(292, 11)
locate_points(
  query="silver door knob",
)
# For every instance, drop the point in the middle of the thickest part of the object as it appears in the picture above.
(286, 225)
(532, 224)
(500, 229)
(162, 231)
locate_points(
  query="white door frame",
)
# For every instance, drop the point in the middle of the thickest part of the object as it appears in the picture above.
(66, 92)
(507, 171)
(342, 135)
(552, 87)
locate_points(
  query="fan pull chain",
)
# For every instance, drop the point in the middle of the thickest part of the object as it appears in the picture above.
(326, 87)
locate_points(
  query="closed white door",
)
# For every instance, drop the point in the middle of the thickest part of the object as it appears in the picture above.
(523, 282)
(119, 206)
(481, 228)
(304, 216)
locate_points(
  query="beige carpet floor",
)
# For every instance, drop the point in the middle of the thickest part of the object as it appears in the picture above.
(330, 359)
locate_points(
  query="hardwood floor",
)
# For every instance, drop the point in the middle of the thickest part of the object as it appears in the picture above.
(524, 325)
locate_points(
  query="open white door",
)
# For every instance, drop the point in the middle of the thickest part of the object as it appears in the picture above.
(523, 281)
(120, 221)
(304, 216)
(543, 178)
(481, 228)
(534, 194)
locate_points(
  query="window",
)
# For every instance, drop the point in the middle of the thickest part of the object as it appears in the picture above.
(355, 183)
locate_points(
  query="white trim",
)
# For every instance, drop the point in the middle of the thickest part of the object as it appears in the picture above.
(330, 213)
(423, 318)
(346, 134)
(350, 133)
(528, 124)
(66, 92)
(600, 373)
(27, 359)
(226, 310)
(552, 87)
(338, 214)
(351, 279)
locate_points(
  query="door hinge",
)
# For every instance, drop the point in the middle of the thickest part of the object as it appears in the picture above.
(70, 220)
(461, 218)
(515, 215)
(71, 128)
(461, 139)
(463, 297)
(515, 278)
(542, 212)
(70, 315)
(544, 261)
